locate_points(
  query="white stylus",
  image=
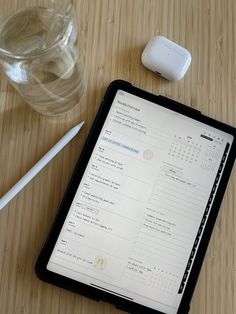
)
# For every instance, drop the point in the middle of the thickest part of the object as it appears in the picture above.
(39, 165)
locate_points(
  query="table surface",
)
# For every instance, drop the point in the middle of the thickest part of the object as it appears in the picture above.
(112, 35)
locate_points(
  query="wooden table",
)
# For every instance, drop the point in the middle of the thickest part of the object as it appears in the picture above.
(112, 35)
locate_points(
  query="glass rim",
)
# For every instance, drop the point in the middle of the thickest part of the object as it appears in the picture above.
(42, 51)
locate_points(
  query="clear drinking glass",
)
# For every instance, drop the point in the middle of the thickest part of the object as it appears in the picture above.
(38, 53)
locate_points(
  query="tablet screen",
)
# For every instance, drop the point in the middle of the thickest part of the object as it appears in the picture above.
(142, 204)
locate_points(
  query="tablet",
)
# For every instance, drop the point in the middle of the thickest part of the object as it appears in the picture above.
(137, 216)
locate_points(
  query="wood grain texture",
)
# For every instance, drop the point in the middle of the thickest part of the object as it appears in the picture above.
(112, 35)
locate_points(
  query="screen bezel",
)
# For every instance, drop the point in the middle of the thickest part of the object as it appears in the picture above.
(75, 286)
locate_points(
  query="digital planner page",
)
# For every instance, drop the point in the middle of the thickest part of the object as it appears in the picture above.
(141, 207)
